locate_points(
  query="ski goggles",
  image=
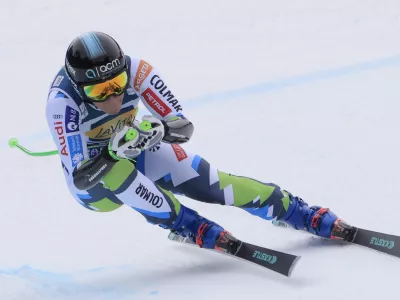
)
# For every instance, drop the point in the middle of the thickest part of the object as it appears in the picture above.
(99, 92)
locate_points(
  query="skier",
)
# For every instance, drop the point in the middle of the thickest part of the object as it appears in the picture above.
(110, 158)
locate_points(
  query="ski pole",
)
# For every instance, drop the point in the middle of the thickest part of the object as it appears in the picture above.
(131, 134)
(13, 143)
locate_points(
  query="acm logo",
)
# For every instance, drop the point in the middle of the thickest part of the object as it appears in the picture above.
(99, 71)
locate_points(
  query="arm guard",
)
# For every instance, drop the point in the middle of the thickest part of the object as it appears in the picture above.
(91, 172)
(177, 130)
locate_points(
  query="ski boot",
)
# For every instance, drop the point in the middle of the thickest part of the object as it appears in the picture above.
(200, 230)
(227, 243)
(343, 231)
(316, 220)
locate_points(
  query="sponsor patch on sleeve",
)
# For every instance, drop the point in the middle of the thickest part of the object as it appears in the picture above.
(179, 152)
(58, 80)
(75, 148)
(142, 72)
(165, 92)
(59, 129)
(156, 103)
(71, 119)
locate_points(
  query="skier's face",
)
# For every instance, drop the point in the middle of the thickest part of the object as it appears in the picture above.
(112, 106)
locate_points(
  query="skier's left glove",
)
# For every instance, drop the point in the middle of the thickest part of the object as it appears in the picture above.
(131, 140)
(178, 130)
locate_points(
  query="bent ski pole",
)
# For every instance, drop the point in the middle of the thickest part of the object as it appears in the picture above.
(13, 143)
(131, 134)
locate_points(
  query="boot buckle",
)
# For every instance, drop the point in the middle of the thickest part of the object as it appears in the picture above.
(200, 234)
(317, 217)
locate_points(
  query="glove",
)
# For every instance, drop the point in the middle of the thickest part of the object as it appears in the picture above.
(178, 130)
(151, 131)
(124, 144)
(131, 140)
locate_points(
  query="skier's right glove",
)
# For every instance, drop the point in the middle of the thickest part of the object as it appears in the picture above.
(124, 144)
(130, 141)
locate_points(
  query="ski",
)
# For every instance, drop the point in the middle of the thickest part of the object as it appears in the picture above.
(382, 242)
(280, 262)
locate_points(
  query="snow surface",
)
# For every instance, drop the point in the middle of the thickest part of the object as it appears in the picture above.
(301, 93)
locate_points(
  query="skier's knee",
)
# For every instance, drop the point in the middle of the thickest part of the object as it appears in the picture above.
(98, 199)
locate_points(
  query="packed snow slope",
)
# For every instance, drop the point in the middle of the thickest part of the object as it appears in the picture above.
(304, 94)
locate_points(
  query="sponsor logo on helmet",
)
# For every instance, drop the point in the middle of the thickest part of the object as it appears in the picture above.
(142, 72)
(57, 116)
(59, 128)
(156, 103)
(165, 92)
(98, 72)
(72, 119)
(70, 68)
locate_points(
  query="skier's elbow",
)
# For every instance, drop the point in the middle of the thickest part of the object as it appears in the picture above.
(82, 181)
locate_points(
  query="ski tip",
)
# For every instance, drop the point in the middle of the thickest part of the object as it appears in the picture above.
(296, 260)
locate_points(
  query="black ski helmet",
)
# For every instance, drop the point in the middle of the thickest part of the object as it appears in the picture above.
(93, 57)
